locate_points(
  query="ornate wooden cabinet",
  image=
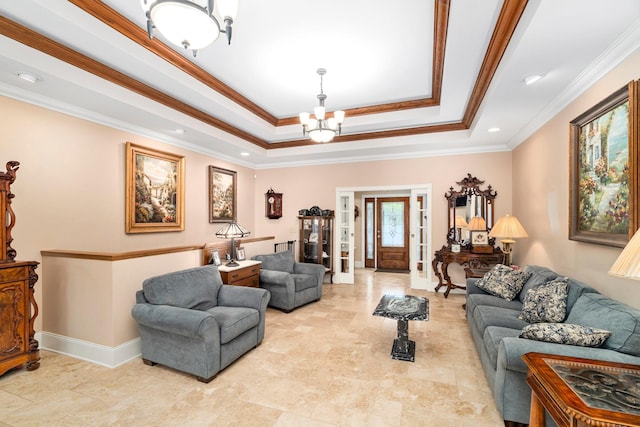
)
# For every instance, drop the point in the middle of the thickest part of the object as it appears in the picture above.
(316, 241)
(18, 311)
(18, 308)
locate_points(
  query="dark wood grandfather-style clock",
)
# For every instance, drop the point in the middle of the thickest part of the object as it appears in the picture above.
(272, 204)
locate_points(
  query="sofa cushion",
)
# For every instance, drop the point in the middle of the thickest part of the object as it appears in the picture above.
(503, 281)
(304, 281)
(538, 276)
(485, 316)
(280, 261)
(565, 333)
(195, 288)
(546, 303)
(234, 321)
(598, 311)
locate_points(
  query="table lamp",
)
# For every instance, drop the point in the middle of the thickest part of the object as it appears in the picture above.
(232, 231)
(508, 228)
(460, 224)
(628, 263)
(477, 223)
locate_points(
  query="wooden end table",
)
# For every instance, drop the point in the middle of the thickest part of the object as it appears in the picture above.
(247, 273)
(582, 392)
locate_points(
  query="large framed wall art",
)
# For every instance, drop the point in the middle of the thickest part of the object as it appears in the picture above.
(154, 190)
(222, 195)
(603, 177)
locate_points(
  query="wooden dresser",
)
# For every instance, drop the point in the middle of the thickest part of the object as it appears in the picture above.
(246, 274)
(18, 311)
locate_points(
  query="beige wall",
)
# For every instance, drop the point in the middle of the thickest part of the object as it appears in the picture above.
(541, 194)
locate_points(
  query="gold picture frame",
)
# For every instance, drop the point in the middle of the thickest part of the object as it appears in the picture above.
(222, 195)
(154, 194)
(603, 175)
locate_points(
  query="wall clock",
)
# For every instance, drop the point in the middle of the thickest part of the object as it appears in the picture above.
(272, 204)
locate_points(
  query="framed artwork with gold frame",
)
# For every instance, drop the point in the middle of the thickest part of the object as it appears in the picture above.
(154, 193)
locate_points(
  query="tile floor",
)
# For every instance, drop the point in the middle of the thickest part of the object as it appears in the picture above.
(325, 364)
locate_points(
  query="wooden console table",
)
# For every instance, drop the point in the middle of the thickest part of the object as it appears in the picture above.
(582, 392)
(465, 257)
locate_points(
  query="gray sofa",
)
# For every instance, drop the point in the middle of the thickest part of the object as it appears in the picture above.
(188, 320)
(495, 329)
(291, 284)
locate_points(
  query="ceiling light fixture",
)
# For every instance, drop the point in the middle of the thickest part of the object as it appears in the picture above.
(529, 80)
(189, 23)
(494, 129)
(319, 128)
(27, 77)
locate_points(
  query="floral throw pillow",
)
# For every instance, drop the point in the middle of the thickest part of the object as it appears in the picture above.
(565, 333)
(546, 303)
(503, 281)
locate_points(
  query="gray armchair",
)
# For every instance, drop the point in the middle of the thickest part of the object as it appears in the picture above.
(290, 283)
(188, 320)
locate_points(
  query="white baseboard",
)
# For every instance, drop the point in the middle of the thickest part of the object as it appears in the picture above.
(110, 357)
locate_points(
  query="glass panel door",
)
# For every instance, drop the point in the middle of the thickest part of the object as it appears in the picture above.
(420, 226)
(345, 236)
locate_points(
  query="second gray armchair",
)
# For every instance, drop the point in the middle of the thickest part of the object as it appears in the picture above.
(291, 284)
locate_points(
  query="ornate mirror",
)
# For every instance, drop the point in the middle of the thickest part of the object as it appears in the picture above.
(469, 208)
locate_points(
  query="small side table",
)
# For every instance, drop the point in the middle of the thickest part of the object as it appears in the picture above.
(246, 274)
(582, 392)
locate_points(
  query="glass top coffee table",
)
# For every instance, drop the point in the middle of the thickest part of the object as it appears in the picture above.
(403, 308)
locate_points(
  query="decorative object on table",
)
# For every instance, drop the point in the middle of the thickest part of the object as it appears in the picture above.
(455, 248)
(460, 224)
(508, 228)
(272, 204)
(190, 24)
(603, 167)
(215, 257)
(403, 308)
(319, 128)
(627, 264)
(240, 254)
(232, 231)
(480, 242)
(154, 193)
(222, 195)
(18, 307)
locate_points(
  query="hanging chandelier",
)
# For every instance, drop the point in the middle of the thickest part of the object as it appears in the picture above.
(319, 128)
(189, 23)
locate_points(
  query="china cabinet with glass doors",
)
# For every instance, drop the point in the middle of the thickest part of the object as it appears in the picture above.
(316, 241)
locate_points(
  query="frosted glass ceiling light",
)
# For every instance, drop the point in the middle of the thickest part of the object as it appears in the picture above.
(189, 23)
(319, 128)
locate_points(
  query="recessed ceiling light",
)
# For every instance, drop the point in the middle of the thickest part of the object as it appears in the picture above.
(27, 77)
(494, 129)
(529, 80)
(244, 153)
(178, 131)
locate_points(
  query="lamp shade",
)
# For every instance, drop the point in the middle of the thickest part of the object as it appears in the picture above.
(232, 230)
(508, 227)
(460, 222)
(477, 223)
(628, 263)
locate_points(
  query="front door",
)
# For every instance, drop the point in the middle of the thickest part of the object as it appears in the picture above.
(392, 233)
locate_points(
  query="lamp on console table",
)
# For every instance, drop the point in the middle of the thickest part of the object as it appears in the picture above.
(628, 263)
(232, 231)
(508, 228)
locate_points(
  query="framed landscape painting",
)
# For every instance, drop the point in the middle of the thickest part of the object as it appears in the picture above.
(222, 195)
(603, 167)
(154, 194)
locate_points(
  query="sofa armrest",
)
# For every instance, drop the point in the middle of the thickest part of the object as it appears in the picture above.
(176, 320)
(242, 296)
(308, 268)
(512, 349)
